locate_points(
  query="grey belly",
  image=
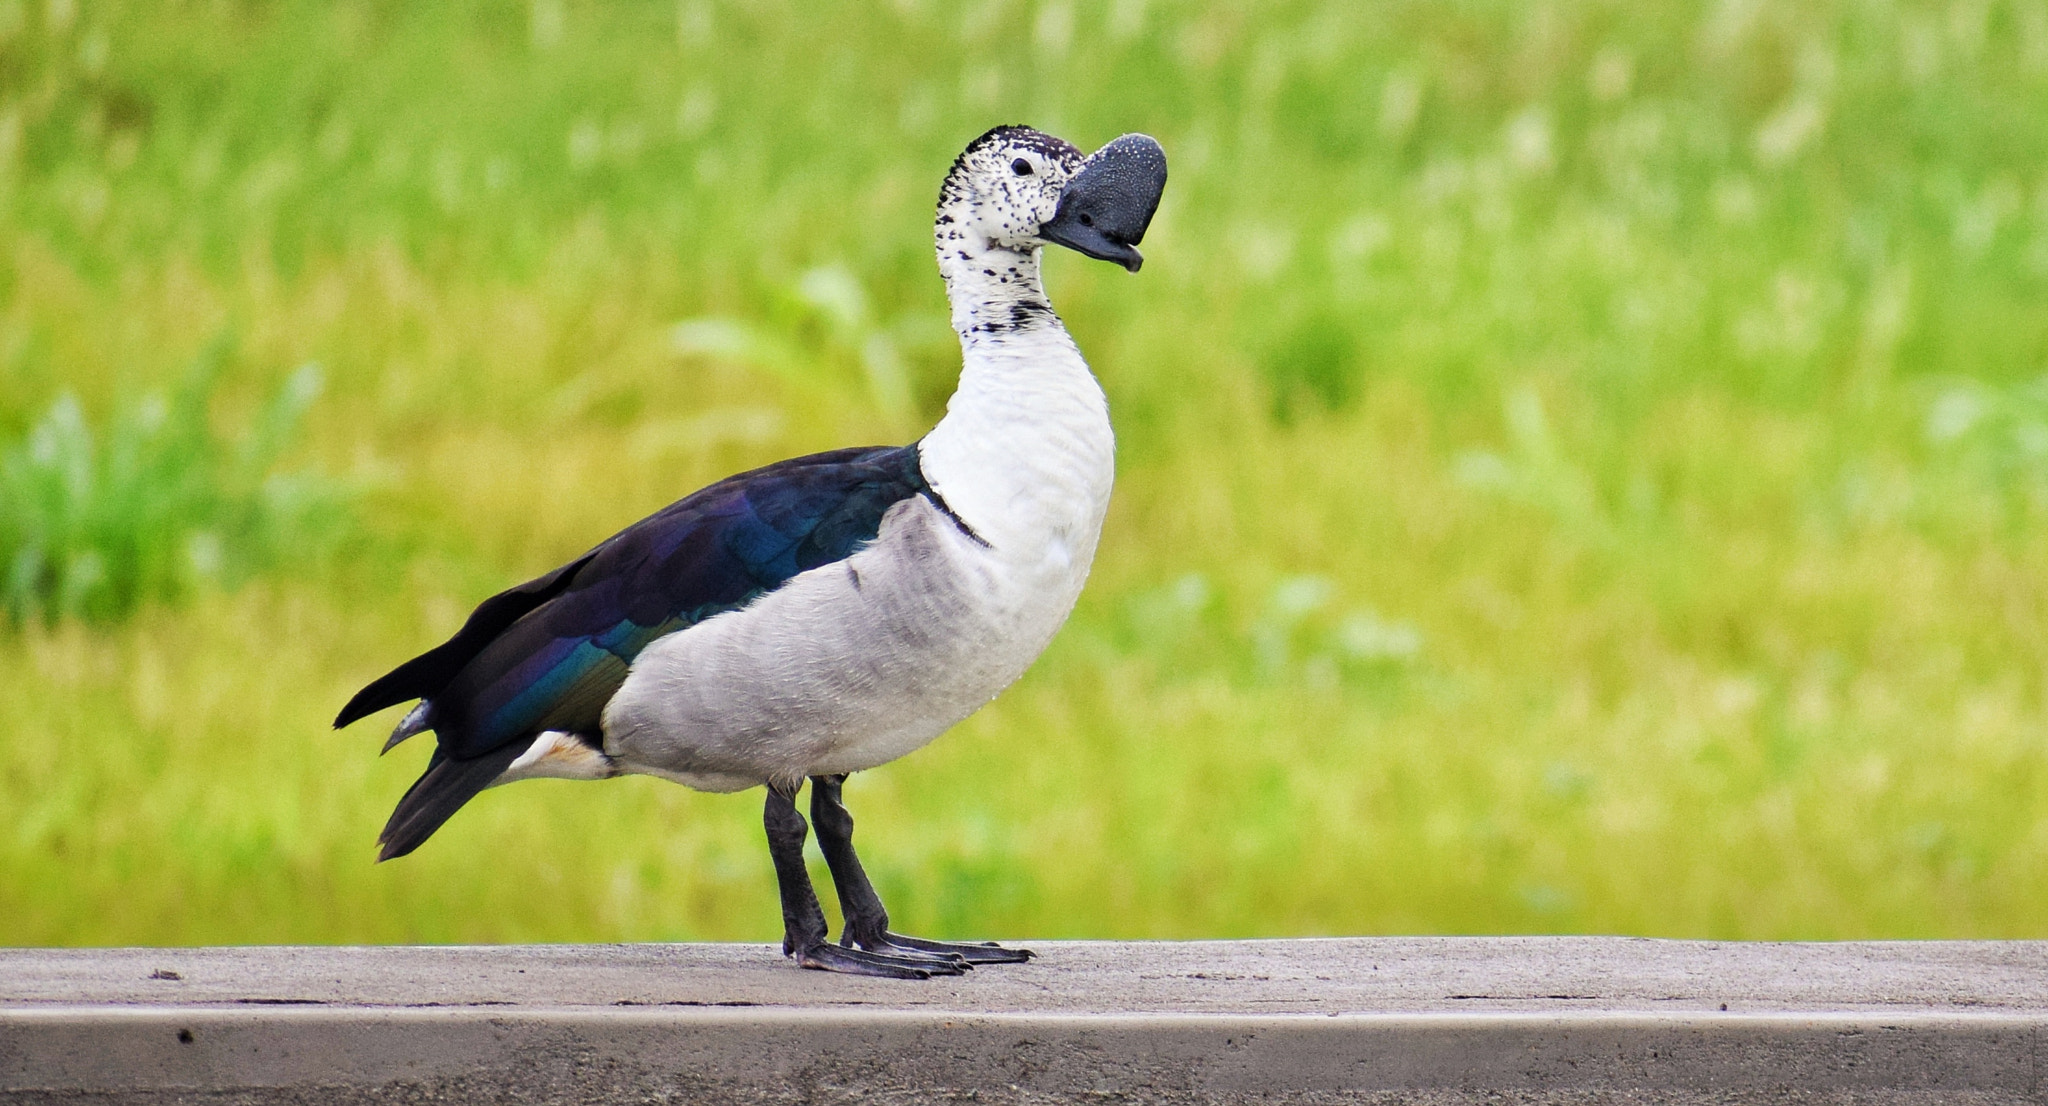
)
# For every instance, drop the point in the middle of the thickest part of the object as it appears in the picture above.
(844, 667)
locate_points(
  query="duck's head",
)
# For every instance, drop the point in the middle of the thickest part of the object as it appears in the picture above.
(1017, 189)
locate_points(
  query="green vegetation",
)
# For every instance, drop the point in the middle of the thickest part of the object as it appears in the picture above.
(91, 527)
(1584, 466)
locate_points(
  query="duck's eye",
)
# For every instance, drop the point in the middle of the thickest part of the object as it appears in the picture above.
(1021, 167)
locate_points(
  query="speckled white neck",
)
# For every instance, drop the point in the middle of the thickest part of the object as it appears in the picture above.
(1025, 453)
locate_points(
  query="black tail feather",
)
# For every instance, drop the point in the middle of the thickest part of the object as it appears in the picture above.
(438, 794)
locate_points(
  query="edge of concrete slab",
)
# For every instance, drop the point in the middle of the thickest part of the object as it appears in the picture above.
(1444, 1020)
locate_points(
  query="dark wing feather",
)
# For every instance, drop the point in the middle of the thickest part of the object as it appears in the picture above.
(549, 654)
(427, 673)
(557, 666)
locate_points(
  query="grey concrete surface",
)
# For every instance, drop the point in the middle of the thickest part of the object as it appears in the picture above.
(1434, 1020)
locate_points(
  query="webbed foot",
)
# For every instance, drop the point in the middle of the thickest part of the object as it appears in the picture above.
(971, 953)
(910, 964)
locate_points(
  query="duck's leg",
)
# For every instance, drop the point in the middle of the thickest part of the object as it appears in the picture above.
(867, 922)
(803, 921)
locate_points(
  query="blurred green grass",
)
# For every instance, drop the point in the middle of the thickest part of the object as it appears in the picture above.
(1584, 466)
(95, 522)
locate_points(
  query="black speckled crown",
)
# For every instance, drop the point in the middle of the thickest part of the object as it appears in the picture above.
(1014, 135)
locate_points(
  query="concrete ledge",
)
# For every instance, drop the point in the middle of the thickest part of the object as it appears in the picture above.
(1446, 1020)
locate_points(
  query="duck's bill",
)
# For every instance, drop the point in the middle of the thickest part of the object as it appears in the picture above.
(1106, 208)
